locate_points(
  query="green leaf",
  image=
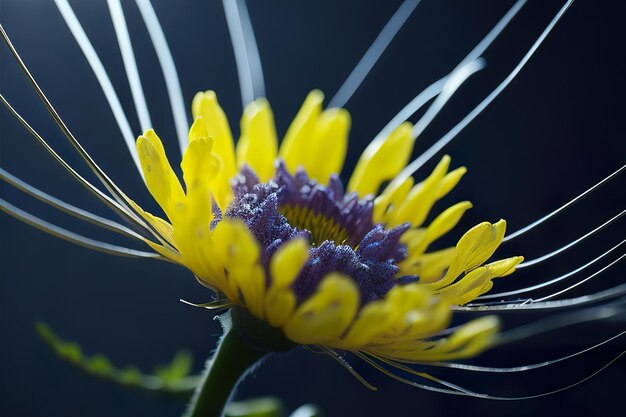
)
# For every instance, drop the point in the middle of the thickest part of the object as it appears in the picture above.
(179, 368)
(172, 378)
(259, 407)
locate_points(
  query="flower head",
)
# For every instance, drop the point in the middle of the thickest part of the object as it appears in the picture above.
(274, 231)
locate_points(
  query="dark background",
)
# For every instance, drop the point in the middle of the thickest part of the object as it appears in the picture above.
(556, 130)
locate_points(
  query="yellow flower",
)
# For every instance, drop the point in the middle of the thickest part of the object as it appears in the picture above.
(271, 230)
(301, 259)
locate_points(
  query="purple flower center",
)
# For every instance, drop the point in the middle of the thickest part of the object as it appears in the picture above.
(339, 227)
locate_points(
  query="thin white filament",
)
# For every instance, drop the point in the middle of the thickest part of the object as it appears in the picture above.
(563, 207)
(130, 64)
(530, 304)
(118, 205)
(168, 67)
(106, 181)
(330, 352)
(552, 281)
(66, 207)
(603, 312)
(453, 83)
(431, 91)
(373, 54)
(441, 143)
(581, 281)
(125, 210)
(571, 244)
(244, 71)
(457, 390)
(252, 49)
(72, 237)
(114, 205)
(520, 368)
(101, 75)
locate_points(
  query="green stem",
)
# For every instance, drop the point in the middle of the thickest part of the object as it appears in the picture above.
(232, 360)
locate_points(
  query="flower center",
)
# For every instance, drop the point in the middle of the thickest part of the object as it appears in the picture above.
(339, 227)
(320, 227)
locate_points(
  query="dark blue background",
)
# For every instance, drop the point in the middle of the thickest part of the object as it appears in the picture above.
(555, 131)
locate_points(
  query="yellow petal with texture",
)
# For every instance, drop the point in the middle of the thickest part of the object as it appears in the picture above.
(294, 146)
(287, 261)
(257, 146)
(326, 314)
(160, 178)
(383, 163)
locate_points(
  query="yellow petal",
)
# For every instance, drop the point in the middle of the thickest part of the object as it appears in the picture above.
(383, 163)
(199, 164)
(279, 305)
(327, 145)
(205, 104)
(198, 129)
(373, 320)
(468, 341)
(390, 199)
(257, 146)
(476, 246)
(450, 181)
(160, 178)
(294, 146)
(234, 244)
(446, 221)
(326, 314)
(287, 262)
(478, 281)
(430, 266)
(421, 198)
(252, 284)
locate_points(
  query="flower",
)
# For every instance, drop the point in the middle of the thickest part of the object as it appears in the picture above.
(272, 231)
(341, 270)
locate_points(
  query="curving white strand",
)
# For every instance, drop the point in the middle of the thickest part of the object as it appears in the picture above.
(252, 50)
(587, 315)
(73, 237)
(244, 72)
(552, 281)
(373, 54)
(331, 352)
(571, 244)
(101, 75)
(435, 88)
(118, 205)
(409, 110)
(581, 281)
(520, 368)
(453, 83)
(102, 176)
(121, 201)
(441, 143)
(454, 391)
(66, 207)
(457, 390)
(563, 207)
(130, 64)
(530, 304)
(114, 205)
(168, 67)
